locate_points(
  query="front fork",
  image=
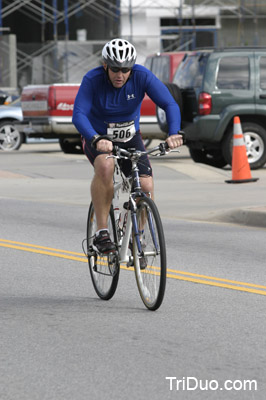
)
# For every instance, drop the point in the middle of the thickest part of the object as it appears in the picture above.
(135, 230)
(131, 229)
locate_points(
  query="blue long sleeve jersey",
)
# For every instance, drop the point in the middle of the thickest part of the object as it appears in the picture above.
(98, 103)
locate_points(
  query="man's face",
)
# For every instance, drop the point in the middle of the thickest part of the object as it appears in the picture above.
(118, 79)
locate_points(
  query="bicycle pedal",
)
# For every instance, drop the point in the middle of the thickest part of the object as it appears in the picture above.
(91, 252)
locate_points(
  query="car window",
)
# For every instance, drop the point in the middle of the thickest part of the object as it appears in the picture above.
(190, 72)
(233, 73)
(160, 68)
(263, 73)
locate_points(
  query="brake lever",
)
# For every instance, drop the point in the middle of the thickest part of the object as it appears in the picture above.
(118, 157)
(160, 154)
(114, 153)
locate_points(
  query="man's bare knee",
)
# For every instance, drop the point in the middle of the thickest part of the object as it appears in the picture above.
(147, 184)
(104, 169)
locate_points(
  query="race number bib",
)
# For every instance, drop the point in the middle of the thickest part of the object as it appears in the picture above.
(121, 131)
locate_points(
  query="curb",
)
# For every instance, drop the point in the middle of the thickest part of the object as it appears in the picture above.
(255, 216)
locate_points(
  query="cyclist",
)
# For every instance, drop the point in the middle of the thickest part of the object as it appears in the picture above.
(108, 106)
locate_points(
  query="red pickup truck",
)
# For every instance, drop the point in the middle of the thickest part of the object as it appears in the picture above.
(47, 109)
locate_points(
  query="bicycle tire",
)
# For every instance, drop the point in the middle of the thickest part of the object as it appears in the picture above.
(104, 269)
(150, 277)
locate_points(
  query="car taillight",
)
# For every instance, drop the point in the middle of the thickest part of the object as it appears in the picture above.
(205, 103)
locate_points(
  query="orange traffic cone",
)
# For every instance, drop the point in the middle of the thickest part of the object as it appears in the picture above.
(240, 165)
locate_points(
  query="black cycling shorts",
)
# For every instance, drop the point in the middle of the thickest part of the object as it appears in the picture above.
(136, 142)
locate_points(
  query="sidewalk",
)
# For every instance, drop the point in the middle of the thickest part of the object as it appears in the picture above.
(199, 192)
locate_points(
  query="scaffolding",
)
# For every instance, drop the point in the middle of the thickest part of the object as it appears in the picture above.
(57, 59)
(248, 15)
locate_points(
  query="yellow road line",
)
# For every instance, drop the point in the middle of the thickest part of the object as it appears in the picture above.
(223, 285)
(171, 273)
(40, 247)
(216, 279)
(54, 253)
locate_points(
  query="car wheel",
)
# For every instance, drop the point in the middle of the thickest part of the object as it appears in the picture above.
(213, 158)
(177, 95)
(10, 137)
(255, 140)
(71, 146)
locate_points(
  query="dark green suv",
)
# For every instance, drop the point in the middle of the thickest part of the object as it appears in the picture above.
(215, 86)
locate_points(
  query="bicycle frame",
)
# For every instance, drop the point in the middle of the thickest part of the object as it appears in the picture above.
(131, 221)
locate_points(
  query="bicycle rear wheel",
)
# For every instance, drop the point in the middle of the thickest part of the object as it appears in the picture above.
(104, 269)
(150, 264)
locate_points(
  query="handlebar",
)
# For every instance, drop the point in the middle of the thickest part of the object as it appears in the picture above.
(131, 153)
(118, 152)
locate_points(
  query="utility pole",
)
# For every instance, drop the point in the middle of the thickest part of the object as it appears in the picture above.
(66, 37)
(241, 23)
(55, 52)
(256, 34)
(130, 21)
(43, 22)
(117, 18)
(1, 24)
(194, 26)
(180, 22)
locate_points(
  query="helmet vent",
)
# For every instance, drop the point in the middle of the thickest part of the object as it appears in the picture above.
(114, 52)
(108, 51)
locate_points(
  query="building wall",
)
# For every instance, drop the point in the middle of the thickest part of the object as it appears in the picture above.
(144, 26)
(236, 33)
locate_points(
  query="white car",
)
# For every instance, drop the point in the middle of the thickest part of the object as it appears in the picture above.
(10, 137)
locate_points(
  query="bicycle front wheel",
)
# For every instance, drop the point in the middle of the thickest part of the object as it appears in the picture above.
(104, 269)
(150, 258)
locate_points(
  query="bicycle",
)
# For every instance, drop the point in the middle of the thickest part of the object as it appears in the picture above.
(138, 235)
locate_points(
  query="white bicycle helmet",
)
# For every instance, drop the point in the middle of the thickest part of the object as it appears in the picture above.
(119, 53)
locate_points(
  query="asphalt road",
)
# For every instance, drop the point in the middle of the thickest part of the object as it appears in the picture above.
(59, 341)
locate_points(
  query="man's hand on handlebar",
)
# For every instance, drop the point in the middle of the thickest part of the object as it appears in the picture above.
(174, 141)
(104, 146)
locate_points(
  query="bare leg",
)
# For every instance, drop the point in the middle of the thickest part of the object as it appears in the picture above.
(102, 189)
(147, 185)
